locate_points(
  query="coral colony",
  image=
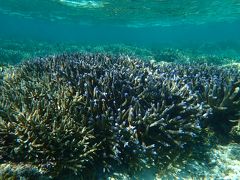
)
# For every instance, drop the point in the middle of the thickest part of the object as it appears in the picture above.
(101, 113)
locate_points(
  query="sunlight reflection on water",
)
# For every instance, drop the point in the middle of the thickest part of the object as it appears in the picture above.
(83, 3)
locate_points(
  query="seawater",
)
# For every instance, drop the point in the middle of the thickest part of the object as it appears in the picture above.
(133, 22)
(146, 29)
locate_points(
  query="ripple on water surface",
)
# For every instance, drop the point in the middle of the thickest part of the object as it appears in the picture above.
(129, 12)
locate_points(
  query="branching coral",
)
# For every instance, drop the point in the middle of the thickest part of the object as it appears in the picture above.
(38, 125)
(74, 111)
(217, 86)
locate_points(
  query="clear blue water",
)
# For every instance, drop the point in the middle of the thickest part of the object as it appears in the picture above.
(149, 29)
(126, 21)
(125, 12)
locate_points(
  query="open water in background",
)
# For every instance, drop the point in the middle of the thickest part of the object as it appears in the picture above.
(213, 25)
(146, 23)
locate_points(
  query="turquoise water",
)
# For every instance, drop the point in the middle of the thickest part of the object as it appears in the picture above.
(208, 27)
(126, 12)
(136, 22)
(174, 32)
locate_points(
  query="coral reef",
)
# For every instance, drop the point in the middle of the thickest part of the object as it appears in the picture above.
(217, 86)
(10, 171)
(222, 162)
(102, 113)
(72, 111)
(235, 131)
(1, 72)
(15, 50)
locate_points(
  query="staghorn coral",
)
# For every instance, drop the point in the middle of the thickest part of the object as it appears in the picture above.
(37, 126)
(20, 171)
(94, 111)
(216, 86)
(1, 74)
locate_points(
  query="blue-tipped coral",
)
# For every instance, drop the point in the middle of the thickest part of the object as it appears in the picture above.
(216, 86)
(82, 112)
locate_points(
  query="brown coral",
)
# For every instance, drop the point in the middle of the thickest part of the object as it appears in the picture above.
(78, 110)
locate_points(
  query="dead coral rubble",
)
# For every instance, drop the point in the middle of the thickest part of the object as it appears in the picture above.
(82, 111)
